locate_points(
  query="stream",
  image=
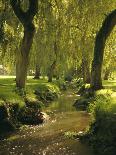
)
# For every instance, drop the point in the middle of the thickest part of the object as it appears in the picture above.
(50, 138)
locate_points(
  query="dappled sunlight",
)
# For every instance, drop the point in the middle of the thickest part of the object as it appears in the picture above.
(113, 95)
(110, 84)
(49, 138)
(7, 77)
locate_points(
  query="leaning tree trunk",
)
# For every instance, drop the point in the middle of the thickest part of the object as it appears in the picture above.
(104, 32)
(26, 18)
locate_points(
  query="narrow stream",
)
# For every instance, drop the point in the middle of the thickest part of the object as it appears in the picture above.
(49, 138)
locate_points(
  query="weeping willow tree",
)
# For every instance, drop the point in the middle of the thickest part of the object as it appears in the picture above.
(26, 18)
(66, 27)
(103, 34)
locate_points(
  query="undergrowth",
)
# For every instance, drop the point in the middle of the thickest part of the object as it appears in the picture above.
(101, 134)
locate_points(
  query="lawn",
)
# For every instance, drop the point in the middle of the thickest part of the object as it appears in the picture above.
(9, 93)
(111, 84)
(24, 106)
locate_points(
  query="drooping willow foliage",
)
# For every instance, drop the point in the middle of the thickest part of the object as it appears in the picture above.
(65, 34)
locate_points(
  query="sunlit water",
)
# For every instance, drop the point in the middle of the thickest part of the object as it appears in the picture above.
(49, 138)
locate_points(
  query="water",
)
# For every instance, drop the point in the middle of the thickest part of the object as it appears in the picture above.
(49, 138)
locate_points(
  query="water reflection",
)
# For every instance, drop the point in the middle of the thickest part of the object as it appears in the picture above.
(49, 139)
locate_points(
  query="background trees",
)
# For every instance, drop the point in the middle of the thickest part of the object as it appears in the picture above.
(65, 35)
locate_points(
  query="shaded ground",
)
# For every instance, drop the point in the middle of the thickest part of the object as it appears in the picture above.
(49, 139)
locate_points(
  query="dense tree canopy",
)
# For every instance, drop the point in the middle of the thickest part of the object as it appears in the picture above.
(64, 39)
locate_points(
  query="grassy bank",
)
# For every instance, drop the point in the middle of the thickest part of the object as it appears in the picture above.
(102, 132)
(24, 106)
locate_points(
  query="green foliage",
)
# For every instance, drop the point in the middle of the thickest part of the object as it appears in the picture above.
(101, 134)
(101, 100)
(82, 103)
(77, 83)
(8, 116)
(47, 92)
(66, 24)
(23, 105)
(3, 110)
(31, 114)
(85, 91)
(61, 84)
(65, 32)
(70, 135)
(7, 92)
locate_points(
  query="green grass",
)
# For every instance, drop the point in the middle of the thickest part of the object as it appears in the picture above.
(102, 131)
(111, 84)
(22, 106)
(8, 89)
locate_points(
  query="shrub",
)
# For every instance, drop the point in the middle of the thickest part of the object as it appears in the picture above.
(30, 115)
(7, 117)
(3, 110)
(102, 131)
(61, 84)
(31, 112)
(77, 83)
(47, 92)
(82, 103)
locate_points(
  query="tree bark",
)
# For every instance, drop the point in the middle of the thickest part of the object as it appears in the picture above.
(85, 70)
(104, 32)
(22, 58)
(53, 66)
(37, 72)
(85, 60)
(51, 71)
(26, 18)
(107, 73)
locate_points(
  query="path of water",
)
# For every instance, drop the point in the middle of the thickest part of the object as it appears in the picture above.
(49, 138)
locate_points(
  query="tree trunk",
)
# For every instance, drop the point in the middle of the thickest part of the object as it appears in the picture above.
(85, 70)
(26, 18)
(107, 73)
(104, 32)
(53, 66)
(50, 75)
(51, 71)
(37, 72)
(23, 56)
(85, 60)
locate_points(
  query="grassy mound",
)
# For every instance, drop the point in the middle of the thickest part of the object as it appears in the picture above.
(47, 92)
(102, 132)
(24, 105)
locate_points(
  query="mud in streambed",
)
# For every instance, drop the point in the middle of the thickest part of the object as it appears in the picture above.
(49, 138)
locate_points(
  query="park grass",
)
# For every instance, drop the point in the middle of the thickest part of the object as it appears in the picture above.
(8, 89)
(110, 84)
(22, 106)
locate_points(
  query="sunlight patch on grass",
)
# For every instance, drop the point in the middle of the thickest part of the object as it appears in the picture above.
(8, 89)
